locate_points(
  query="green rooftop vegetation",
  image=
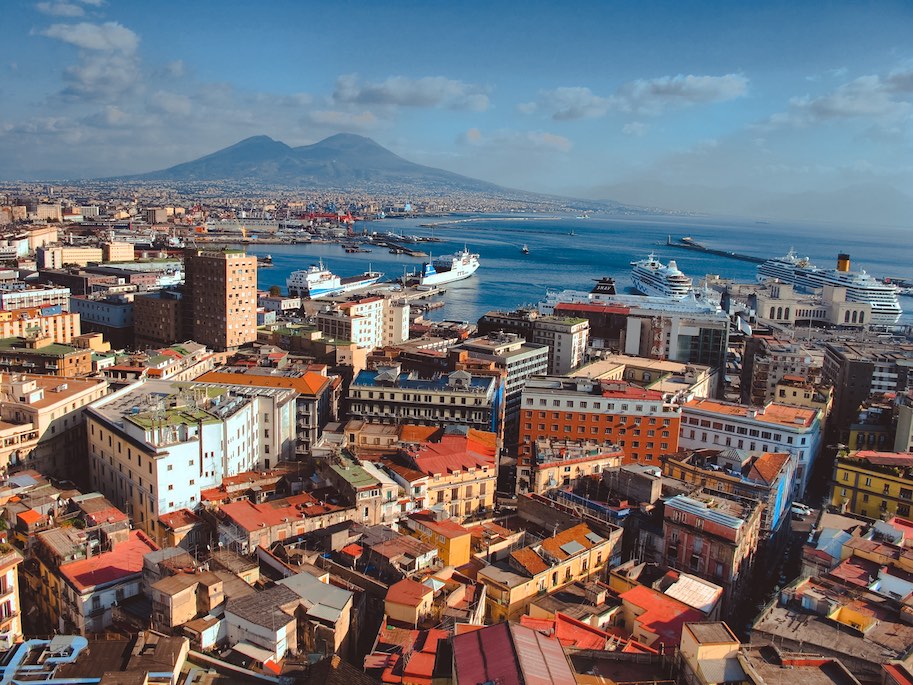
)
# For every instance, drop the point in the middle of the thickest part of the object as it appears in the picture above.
(176, 416)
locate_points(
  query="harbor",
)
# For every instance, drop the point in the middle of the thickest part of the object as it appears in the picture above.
(688, 243)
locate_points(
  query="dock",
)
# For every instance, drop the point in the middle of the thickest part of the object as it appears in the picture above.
(688, 243)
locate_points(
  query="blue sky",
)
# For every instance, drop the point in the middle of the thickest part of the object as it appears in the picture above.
(637, 98)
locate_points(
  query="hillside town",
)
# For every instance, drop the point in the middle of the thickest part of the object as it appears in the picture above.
(204, 482)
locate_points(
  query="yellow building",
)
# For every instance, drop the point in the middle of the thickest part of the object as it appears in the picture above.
(704, 647)
(20, 323)
(874, 484)
(577, 553)
(453, 542)
(408, 601)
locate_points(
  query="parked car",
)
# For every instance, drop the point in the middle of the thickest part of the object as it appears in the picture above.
(800, 509)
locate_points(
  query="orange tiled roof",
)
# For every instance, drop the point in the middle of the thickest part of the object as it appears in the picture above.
(577, 534)
(308, 384)
(768, 465)
(529, 560)
(782, 414)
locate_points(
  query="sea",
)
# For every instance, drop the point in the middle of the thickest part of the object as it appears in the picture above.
(570, 252)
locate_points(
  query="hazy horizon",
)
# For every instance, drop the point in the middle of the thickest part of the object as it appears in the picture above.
(773, 110)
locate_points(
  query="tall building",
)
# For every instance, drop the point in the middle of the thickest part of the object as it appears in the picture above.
(565, 336)
(369, 322)
(771, 428)
(221, 296)
(769, 359)
(520, 360)
(643, 423)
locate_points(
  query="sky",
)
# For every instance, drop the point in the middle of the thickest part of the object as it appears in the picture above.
(722, 105)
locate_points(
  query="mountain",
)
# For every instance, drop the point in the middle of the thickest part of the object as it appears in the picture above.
(341, 161)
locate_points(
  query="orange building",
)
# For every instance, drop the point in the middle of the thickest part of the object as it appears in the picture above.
(643, 423)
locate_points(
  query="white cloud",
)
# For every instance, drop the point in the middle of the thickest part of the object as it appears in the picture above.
(649, 97)
(884, 99)
(109, 37)
(60, 9)
(400, 91)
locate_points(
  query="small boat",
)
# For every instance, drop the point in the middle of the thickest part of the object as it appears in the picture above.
(571, 232)
(524, 249)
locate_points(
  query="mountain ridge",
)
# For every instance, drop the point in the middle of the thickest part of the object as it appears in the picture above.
(343, 159)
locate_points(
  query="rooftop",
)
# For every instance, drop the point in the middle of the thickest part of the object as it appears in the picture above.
(772, 413)
(408, 592)
(663, 616)
(125, 560)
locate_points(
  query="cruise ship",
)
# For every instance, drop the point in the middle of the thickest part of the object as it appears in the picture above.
(448, 269)
(652, 277)
(316, 282)
(860, 286)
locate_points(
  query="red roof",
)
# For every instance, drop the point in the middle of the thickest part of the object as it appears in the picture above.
(249, 516)
(408, 592)
(663, 616)
(179, 519)
(125, 560)
(453, 453)
(598, 308)
(448, 527)
(30, 517)
(353, 550)
(899, 674)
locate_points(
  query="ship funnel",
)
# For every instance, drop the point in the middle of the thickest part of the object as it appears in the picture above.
(843, 262)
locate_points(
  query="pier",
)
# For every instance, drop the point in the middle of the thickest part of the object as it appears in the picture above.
(687, 243)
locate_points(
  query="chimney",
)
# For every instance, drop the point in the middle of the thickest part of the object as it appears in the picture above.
(843, 262)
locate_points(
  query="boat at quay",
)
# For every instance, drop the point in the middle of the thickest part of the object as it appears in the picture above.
(860, 286)
(316, 281)
(652, 277)
(450, 268)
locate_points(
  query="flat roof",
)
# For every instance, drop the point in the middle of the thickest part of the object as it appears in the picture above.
(125, 560)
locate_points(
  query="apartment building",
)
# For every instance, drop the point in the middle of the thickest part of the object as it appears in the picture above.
(221, 289)
(158, 318)
(369, 322)
(713, 538)
(518, 359)
(317, 401)
(575, 554)
(873, 484)
(561, 463)
(10, 607)
(736, 474)
(41, 355)
(387, 395)
(46, 322)
(155, 445)
(43, 427)
(566, 337)
(767, 360)
(643, 423)
(19, 295)
(772, 428)
(110, 314)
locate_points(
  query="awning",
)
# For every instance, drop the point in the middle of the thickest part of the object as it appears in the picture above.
(255, 653)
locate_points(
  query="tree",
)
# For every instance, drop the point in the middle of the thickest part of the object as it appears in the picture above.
(275, 290)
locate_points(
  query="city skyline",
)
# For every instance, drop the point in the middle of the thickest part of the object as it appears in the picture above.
(743, 110)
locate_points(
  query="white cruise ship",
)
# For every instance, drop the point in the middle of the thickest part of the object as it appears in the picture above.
(448, 269)
(652, 277)
(316, 282)
(860, 286)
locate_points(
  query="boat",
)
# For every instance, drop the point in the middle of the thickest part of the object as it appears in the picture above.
(571, 232)
(524, 249)
(316, 282)
(652, 277)
(265, 260)
(450, 268)
(860, 286)
(583, 216)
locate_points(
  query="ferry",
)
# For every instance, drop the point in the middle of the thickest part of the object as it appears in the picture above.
(652, 277)
(450, 268)
(860, 286)
(316, 282)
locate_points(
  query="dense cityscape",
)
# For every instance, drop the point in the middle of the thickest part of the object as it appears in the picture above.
(456, 343)
(231, 484)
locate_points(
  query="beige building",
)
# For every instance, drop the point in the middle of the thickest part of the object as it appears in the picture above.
(117, 252)
(557, 463)
(158, 318)
(179, 598)
(57, 256)
(575, 554)
(41, 422)
(408, 601)
(369, 322)
(21, 323)
(222, 297)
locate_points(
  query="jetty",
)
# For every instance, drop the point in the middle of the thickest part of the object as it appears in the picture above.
(688, 243)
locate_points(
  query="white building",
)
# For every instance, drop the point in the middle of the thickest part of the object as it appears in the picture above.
(154, 445)
(369, 322)
(771, 428)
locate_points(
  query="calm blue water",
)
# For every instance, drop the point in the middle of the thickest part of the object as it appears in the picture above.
(600, 247)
